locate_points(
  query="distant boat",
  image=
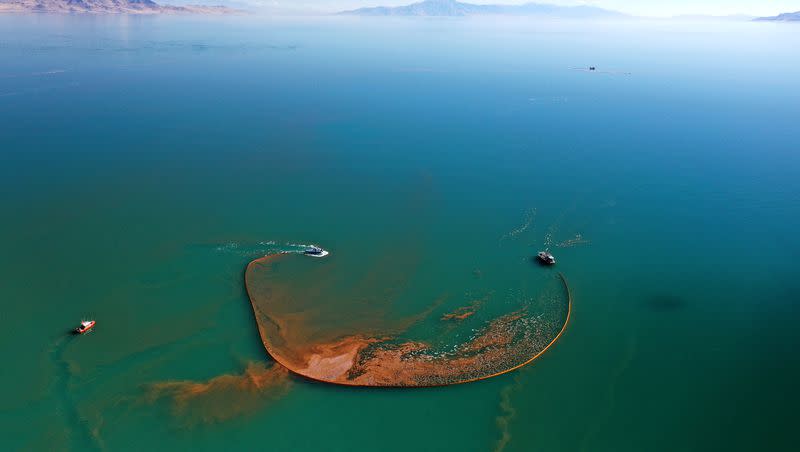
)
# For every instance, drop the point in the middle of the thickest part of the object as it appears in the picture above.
(546, 258)
(592, 68)
(85, 326)
(315, 251)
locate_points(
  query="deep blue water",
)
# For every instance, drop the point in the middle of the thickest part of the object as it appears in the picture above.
(144, 160)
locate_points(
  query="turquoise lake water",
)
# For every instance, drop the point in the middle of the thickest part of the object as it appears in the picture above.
(144, 161)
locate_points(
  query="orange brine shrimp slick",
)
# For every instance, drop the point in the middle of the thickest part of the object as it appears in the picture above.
(383, 357)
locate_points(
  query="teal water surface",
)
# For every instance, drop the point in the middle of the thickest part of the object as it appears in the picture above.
(146, 161)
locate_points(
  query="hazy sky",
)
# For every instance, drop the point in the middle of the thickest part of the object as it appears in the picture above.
(637, 7)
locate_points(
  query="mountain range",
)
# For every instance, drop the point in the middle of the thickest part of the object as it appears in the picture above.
(106, 7)
(456, 8)
(785, 17)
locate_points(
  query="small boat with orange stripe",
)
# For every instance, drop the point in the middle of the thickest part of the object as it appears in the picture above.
(85, 327)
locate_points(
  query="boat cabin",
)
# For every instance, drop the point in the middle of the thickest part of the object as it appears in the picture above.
(546, 258)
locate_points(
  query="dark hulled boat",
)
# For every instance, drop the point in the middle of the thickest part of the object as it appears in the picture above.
(546, 258)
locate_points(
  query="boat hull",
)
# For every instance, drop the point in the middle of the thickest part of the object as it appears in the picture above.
(322, 254)
(85, 329)
(546, 260)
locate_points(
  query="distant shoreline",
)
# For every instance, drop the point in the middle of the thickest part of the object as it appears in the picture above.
(109, 7)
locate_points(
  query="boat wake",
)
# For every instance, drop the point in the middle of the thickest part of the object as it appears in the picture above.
(267, 248)
(79, 431)
(247, 250)
(530, 215)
